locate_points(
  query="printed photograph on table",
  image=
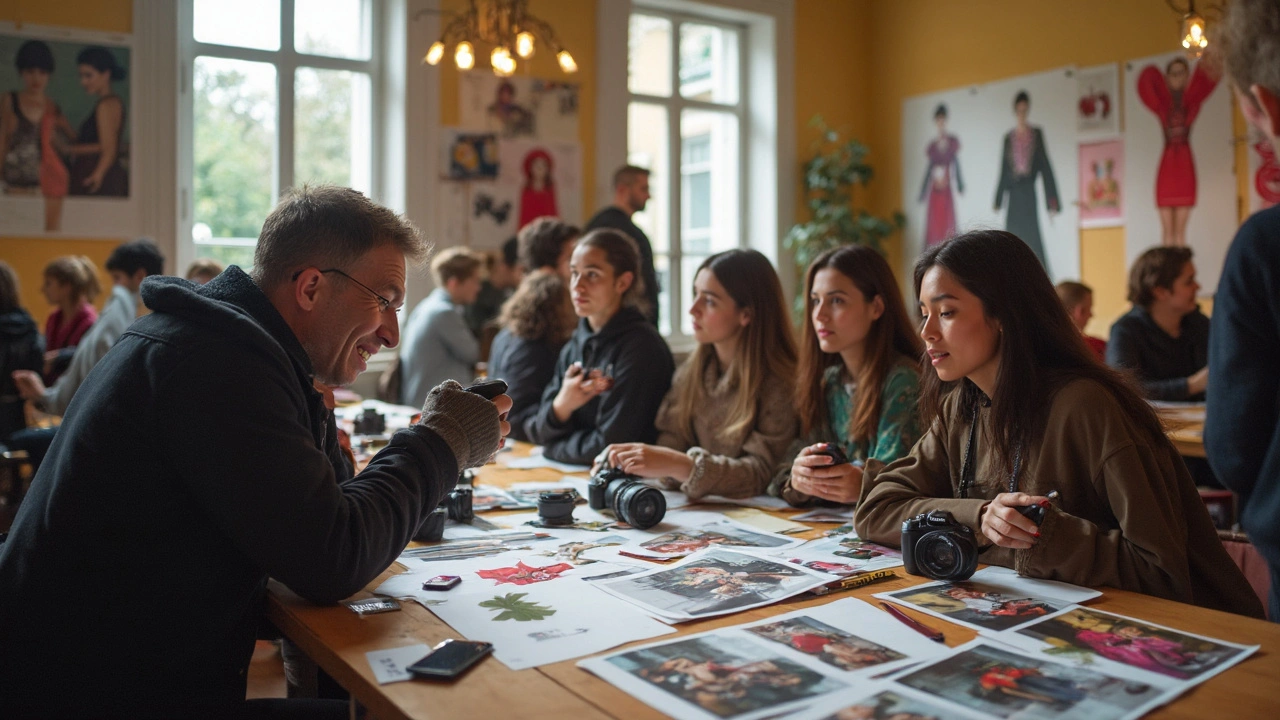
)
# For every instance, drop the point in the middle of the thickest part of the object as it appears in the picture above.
(723, 533)
(843, 554)
(831, 645)
(716, 676)
(714, 582)
(1083, 634)
(976, 605)
(878, 704)
(521, 574)
(572, 552)
(1006, 684)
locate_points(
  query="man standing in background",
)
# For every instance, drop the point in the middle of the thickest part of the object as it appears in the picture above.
(630, 194)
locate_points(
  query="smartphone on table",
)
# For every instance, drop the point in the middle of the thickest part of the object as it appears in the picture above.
(450, 659)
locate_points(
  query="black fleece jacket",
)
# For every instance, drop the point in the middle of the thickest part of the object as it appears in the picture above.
(642, 369)
(192, 465)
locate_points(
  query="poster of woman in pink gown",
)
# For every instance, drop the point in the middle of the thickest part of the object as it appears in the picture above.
(538, 197)
(944, 165)
(1176, 96)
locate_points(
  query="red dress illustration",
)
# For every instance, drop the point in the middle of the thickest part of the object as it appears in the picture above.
(539, 195)
(941, 223)
(1176, 100)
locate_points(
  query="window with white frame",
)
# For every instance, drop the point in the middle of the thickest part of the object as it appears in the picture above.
(280, 93)
(686, 118)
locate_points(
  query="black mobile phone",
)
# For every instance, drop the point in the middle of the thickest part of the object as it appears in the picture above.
(450, 659)
(442, 582)
(489, 389)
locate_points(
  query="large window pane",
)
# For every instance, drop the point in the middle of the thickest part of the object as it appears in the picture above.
(240, 23)
(710, 208)
(331, 128)
(649, 56)
(709, 63)
(235, 141)
(336, 28)
(647, 148)
(688, 270)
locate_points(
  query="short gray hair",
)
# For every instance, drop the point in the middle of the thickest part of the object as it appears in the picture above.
(328, 226)
(1250, 42)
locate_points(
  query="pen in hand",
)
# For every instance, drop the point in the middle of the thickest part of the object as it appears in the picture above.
(935, 635)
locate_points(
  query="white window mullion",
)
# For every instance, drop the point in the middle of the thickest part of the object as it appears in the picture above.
(286, 68)
(675, 218)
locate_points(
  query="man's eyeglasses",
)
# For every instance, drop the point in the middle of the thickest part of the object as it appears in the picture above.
(383, 303)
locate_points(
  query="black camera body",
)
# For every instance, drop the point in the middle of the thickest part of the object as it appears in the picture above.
(555, 509)
(633, 502)
(369, 422)
(936, 546)
(455, 506)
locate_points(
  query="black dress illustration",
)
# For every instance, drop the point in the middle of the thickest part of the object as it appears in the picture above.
(1024, 159)
(116, 181)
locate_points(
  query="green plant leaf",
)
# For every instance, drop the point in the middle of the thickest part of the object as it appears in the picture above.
(514, 608)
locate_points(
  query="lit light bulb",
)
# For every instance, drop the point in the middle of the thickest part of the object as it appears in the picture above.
(1194, 39)
(524, 44)
(566, 61)
(464, 56)
(434, 53)
(499, 57)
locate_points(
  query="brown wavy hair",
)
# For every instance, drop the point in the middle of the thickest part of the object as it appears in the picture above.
(892, 337)
(77, 271)
(766, 349)
(1040, 348)
(540, 309)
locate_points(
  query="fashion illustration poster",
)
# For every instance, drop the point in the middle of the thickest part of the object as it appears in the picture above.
(1101, 179)
(1098, 102)
(1179, 157)
(65, 135)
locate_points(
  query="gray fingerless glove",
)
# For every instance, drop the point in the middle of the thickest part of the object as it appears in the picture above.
(466, 421)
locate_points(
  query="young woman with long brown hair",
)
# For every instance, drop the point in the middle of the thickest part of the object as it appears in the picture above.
(858, 381)
(1017, 407)
(536, 322)
(728, 417)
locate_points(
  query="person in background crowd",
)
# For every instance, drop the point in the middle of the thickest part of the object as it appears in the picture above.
(630, 194)
(536, 322)
(547, 244)
(1242, 422)
(728, 417)
(1016, 407)
(438, 345)
(1077, 298)
(504, 275)
(1164, 338)
(615, 369)
(70, 285)
(858, 382)
(20, 349)
(202, 270)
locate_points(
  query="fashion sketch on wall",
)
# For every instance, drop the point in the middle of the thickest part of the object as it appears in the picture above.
(1023, 160)
(941, 179)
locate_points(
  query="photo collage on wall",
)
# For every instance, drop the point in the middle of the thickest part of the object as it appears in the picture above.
(514, 157)
(66, 138)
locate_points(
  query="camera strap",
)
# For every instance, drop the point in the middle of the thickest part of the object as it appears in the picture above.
(967, 470)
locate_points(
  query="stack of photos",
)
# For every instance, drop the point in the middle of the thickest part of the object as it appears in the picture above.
(878, 701)
(998, 681)
(1115, 643)
(993, 600)
(714, 581)
(765, 668)
(842, 554)
(721, 533)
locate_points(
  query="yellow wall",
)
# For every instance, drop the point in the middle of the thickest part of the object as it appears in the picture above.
(28, 256)
(922, 46)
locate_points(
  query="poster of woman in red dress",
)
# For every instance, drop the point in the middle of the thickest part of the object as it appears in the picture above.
(942, 152)
(538, 197)
(1175, 96)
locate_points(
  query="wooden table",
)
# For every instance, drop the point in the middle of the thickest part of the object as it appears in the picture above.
(338, 639)
(1184, 424)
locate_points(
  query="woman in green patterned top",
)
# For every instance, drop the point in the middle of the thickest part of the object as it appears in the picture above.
(858, 382)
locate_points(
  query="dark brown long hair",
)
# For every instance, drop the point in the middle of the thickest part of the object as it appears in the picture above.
(540, 309)
(766, 350)
(890, 338)
(1040, 348)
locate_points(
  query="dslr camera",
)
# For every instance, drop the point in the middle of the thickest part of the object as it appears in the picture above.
(936, 546)
(633, 502)
(455, 506)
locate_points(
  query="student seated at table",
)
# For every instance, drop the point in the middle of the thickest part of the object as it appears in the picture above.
(536, 322)
(615, 369)
(547, 243)
(202, 270)
(19, 350)
(1164, 338)
(70, 285)
(438, 345)
(728, 417)
(858, 381)
(1017, 407)
(1077, 298)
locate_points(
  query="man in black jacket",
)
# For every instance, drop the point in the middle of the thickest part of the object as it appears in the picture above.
(630, 194)
(196, 461)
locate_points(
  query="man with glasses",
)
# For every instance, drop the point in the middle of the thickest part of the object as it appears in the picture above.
(197, 460)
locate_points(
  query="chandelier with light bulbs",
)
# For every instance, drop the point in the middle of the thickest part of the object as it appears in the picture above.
(504, 25)
(1193, 35)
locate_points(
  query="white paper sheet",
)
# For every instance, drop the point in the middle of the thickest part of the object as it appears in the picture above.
(841, 514)
(723, 532)
(389, 665)
(878, 699)
(842, 555)
(537, 460)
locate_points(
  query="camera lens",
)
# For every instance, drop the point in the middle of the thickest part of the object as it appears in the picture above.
(556, 508)
(458, 504)
(944, 556)
(639, 505)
